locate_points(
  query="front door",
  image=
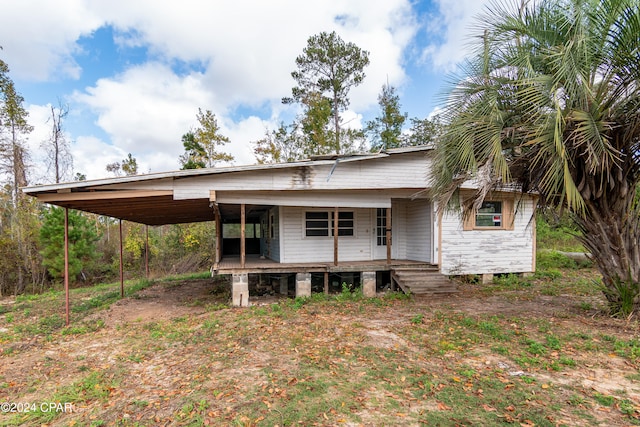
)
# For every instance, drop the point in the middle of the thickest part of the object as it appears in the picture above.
(380, 235)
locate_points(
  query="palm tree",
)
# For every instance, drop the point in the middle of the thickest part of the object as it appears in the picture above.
(550, 102)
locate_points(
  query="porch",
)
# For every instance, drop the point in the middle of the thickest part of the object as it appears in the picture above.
(254, 264)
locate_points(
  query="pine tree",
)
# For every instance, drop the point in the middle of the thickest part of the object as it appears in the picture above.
(203, 143)
(329, 67)
(82, 241)
(385, 130)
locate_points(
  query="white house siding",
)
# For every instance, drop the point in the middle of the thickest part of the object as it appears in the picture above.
(488, 251)
(406, 170)
(299, 248)
(399, 229)
(274, 243)
(419, 230)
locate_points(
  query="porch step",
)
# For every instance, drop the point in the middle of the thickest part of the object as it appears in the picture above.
(423, 281)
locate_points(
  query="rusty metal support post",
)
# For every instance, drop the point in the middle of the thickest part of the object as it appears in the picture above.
(121, 264)
(243, 220)
(218, 218)
(66, 264)
(146, 252)
(335, 236)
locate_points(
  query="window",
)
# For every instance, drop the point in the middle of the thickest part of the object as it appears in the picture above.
(317, 223)
(381, 226)
(489, 215)
(493, 214)
(233, 231)
(345, 223)
(321, 223)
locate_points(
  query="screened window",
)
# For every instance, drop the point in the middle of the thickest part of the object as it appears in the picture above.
(233, 231)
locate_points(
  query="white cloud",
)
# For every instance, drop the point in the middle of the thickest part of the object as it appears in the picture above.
(147, 109)
(249, 51)
(91, 155)
(39, 37)
(244, 52)
(451, 29)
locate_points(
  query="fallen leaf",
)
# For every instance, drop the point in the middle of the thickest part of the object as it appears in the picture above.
(443, 407)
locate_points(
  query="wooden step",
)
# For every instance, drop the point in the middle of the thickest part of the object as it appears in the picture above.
(422, 281)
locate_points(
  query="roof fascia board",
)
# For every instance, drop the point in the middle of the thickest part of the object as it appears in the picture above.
(101, 195)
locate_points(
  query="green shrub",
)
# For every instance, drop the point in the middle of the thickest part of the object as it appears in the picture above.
(557, 233)
(547, 260)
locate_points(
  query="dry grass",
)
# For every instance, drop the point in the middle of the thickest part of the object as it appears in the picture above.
(523, 352)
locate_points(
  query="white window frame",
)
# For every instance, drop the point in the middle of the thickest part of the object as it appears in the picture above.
(329, 218)
(496, 217)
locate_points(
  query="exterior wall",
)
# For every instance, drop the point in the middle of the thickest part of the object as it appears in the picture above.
(398, 229)
(296, 247)
(419, 229)
(407, 170)
(489, 251)
(273, 244)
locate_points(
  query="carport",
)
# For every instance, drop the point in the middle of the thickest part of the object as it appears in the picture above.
(113, 198)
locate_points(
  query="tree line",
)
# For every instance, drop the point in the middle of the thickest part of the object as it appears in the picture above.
(326, 71)
(549, 101)
(31, 234)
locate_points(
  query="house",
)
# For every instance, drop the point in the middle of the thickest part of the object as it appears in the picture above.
(355, 218)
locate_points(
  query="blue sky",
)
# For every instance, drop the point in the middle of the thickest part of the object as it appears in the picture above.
(134, 73)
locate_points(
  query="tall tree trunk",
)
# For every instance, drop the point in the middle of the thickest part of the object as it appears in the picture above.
(611, 233)
(336, 121)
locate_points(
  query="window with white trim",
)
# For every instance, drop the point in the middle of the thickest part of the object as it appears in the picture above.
(321, 223)
(489, 214)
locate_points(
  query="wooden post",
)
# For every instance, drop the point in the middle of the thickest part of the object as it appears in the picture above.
(335, 236)
(121, 264)
(66, 264)
(388, 236)
(243, 220)
(146, 252)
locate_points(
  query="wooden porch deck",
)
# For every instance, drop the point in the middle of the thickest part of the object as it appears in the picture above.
(255, 264)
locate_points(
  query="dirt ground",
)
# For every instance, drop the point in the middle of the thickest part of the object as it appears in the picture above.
(39, 367)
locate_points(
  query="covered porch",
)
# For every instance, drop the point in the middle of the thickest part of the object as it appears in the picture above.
(255, 264)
